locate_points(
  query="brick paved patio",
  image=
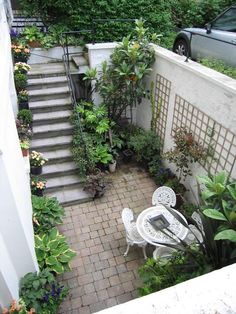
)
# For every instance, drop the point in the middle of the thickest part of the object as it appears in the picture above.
(101, 277)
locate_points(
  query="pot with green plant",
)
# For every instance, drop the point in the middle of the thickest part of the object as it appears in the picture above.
(20, 81)
(33, 36)
(36, 162)
(18, 307)
(25, 117)
(23, 130)
(38, 185)
(24, 145)
(21, 67)
(95, 183)
(23, 99)
(20, 53)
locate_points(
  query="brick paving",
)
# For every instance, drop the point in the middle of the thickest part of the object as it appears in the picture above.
(101, 276)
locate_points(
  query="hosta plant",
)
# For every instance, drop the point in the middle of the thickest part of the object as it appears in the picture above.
(47, 212)
(42, 292)
(53, 251)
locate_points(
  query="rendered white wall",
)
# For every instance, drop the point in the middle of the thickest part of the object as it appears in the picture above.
(16, 230)
(212, 293)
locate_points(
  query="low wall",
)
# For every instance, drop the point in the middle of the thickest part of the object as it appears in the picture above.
(202, 100)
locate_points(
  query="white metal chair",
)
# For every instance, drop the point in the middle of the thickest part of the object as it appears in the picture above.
(132, 235)
(164, 195)
(193, 236)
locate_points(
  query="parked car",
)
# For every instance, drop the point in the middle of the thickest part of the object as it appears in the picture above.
(216, 40)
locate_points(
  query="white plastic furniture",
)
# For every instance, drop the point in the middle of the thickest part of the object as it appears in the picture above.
(193, 236)
(132, 234)
(164, 195)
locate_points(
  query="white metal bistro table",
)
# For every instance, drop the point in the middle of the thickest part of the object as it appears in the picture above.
(156, 237)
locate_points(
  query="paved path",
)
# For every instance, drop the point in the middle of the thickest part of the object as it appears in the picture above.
(101, 277)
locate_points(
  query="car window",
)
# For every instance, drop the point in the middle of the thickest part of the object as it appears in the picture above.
(226, 22)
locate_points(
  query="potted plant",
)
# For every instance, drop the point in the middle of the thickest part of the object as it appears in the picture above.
(95, 183)
(23, 99)
(25, 144)
(20, 53)
(36, 162)
(20, 81)
(38, 185)
(21, 67)
(33, 36)
(23, 130)
(25, 117)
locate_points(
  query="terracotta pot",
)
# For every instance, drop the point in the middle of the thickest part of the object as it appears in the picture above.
(34, 44)
(25, 152)
(112, 167)
(36, 170)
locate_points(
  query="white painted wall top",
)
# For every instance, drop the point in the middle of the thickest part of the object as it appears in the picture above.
(213, 293)
(101, 46)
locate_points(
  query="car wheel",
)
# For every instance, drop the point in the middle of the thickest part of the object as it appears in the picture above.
(181, 47)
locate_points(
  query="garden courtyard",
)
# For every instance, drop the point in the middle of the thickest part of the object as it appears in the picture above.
(101, 276)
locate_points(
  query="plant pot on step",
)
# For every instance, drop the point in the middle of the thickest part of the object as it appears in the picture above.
(23, 105)
(112, 166)
(36, 170)
(127, 155)
(38, 192)
(25, 152)
(34, 44)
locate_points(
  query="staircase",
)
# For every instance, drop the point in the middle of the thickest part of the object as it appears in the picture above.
(50, 104)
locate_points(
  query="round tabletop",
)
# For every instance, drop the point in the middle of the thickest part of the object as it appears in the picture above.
(154, 236)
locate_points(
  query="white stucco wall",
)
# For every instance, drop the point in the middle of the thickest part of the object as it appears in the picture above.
(16, 230)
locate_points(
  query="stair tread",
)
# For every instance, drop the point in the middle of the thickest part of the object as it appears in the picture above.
(55, 140)
(80, 60)
(59, 153)
(60, 126)
(50, 103)
(67, 196)
(66, 180)
(49, 91)
(59, 167)
(47, 80)
(52, 115)
(45, 68)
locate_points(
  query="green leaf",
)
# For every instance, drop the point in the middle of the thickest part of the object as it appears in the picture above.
(221, 178)
(53, 234)
(232, 191)
(228, 234)
(58, 268)
(204, 180)
(214, 214)
(207, 194)
(51, 260)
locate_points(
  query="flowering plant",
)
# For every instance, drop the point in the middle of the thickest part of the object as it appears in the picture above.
(20, 52)
(17, 308)
(21, 67)
(23, 96)
(24, 144)
(23, 130)
(37, 159)
(38, 183)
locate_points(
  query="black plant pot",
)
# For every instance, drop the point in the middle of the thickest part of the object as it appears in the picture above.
(23, 105)
(38, 192)
(36, 170)
(20, 59)
(127, 155)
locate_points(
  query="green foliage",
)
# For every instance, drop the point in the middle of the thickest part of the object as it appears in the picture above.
(185, 152)
(20, 81)
(160, 274)
(47, 212)
(53, 251)
(42, 292)
(15, 308)
(102, 155)
(32, 33)
(219, 197)
(121, 84)
(25, 116)
(219, 66)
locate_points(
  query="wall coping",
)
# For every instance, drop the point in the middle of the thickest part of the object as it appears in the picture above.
(102, 46)
(211, 75)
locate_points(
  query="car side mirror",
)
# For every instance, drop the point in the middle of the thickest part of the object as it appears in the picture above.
(208, 28)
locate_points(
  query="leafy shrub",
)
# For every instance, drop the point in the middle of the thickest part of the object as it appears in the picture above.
(20, 81)
(53, 252)
(25, 116)
(23, 96)
(219, 66)
(42, 292)
(47, 212)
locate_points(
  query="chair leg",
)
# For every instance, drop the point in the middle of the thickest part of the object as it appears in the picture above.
(127, 250)
(144, 252)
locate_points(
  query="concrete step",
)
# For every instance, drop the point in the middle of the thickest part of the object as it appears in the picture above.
(50, 69)
(49, 93)
(80, 61)
(59, 169)
(51, 117)
(53, 184)
(46, 82)
(70, 196)
(59, 155)
(52, 129)
(50, 105)
(51, 144)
